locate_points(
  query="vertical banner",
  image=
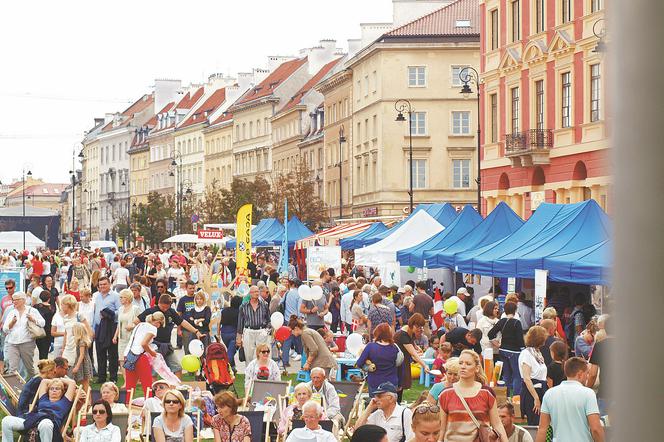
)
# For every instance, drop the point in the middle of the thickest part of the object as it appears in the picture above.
(282, 269)
(243, 228)
(540, 293)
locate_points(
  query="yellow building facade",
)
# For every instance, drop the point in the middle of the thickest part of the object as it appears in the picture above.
(219, 152)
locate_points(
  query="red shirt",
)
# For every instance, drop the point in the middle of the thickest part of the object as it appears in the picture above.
(37, 267)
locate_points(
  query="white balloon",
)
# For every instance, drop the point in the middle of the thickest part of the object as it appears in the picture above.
(243, 289)
(305, 292)
(316, 292)
(277, 320)
(196, 348)
(354, 343)
(328, 317)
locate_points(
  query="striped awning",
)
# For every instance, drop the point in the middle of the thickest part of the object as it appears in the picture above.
(331, 236)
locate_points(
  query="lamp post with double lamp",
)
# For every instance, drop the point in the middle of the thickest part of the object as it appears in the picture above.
(23, 175)
(74, 182)
(403, 106)
(468, 75)
(176, 166)
(342, 139)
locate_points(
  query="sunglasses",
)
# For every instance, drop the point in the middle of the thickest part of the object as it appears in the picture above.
(427, 408)
(98, 411)
(160, 387)
(160, 286)
(265, 352)
(171, 401)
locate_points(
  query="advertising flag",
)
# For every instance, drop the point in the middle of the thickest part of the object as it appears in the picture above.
(283, 257)
(243, 227)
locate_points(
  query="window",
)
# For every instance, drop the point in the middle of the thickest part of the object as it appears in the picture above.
(594, 92)
(515, 110)
(566, 97)
(416, 76)
(595, 5)
(463, 23)
(494, 117)
(539, 16)
(418, 169)
(366, 85)
(374, 75)
(516, 21)
(460, 122)
(457, 73)
(461, 173)
(566, 11)
(494, 29)
(539, 104)
(418, 123)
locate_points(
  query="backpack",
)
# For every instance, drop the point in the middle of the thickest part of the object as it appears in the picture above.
(217, 368)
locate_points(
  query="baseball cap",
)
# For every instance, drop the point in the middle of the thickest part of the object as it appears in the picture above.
(386, 387)
(462, 291)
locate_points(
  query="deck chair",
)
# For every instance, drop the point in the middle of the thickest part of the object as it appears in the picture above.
(124, 397)
(148, 421)
(260, 390)
(13, 383)
(7, 405)
(72, 412)
(259, 428)
(349, 393)
(121, 420)
(326, 425)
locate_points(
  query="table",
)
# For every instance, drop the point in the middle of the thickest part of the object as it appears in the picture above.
(344, 361)
(424, 378)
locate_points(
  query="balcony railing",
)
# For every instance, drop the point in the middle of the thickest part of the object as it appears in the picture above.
(530, 140)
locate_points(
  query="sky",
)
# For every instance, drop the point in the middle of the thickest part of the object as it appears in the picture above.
(65, 63)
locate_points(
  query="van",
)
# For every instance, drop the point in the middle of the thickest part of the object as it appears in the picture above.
(104, 246)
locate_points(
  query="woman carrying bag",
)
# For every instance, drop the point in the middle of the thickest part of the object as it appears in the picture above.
(137, 363)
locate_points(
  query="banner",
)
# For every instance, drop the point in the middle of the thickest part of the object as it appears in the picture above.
(243, 230)
(540, 293)
(17, 274)
(282, 269)
(321, 258)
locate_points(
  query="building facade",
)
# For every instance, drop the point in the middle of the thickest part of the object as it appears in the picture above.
(543, 104)
(90, 184)
(419, 62)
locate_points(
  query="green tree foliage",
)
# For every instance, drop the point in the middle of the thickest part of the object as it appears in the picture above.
(220, 205)
(300, 189)
(149, 220)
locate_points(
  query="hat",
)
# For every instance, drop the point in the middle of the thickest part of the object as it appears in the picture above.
(386, 387)
(462, 291)
(19, 295)
(302, 435)
(160, 381)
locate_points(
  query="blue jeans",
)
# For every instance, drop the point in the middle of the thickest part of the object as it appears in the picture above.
(292, 342)
(228, 336)
(511, 373)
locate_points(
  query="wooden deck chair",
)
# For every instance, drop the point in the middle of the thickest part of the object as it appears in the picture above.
(259, 428)
(7, 405)
(349, 393)
(326, 425)
(356, 407)
(72, 413)
(261, 390)
(148, 421)
(13, 383)
(84, 409)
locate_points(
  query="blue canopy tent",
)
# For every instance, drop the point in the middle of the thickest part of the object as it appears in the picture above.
(444, 213)
(501, 222)
(587, 266)
(274, 236)
(464, 223)
(260, 227)
(554, 229)
(272, 230)
(354, 242)
(296, 231)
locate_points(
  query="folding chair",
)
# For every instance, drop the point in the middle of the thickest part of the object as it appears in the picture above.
(197, 419)
(260, 390)
(326, 425)
(349, 401)
(259, 428)
(7, 405)
(13, 383)
(71, 414)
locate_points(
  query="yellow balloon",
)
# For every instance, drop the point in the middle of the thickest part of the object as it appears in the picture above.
(415, 370)
(450, 306)
(191, 363)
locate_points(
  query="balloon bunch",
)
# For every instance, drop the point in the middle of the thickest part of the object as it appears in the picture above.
(192, 362)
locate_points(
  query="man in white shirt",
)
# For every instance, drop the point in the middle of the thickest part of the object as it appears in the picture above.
(460, 299)
(514, 433)
(384, 411)
(20, 343)
(346, 315)
(319, 384)
(570, 408)
(311, 414)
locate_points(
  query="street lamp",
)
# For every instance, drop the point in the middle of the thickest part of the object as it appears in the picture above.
(29, 175)
(125, 184)
(176, 164)
(342, 139)
(403, 106)
(468, 75)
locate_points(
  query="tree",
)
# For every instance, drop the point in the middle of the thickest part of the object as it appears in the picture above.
(150, 218)
(298, 186)
(211, 210)
(241, 192)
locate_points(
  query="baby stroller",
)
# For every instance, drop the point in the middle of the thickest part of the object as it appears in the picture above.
(217, 368)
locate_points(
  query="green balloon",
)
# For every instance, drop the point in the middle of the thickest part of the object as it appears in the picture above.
(190, 363)
(411, 269)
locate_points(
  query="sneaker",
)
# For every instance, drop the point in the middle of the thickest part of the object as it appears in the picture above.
(296, 357)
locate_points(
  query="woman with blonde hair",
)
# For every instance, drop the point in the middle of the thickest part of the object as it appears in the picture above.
(451, 376)
(469, 403)
(127, 314)
(68, 317)
(426, 423)
(532, 369)
(263, 367)
(81, 371)
(94, 281)
(551, 313)
(303, 394)
(137, 363)
(173, 424)
(46, 371)
(73, 288)
(111, 393)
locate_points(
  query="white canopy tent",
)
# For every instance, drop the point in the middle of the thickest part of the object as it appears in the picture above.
(416, 229)
(194, 239)
(13, 240)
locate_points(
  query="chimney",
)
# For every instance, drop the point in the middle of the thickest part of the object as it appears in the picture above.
(165, 91)
(108, 117)
(320, 55)
(273, 61)
(354, 45)
(218, 81)
(99, 121)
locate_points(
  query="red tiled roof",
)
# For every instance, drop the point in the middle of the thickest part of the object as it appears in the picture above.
(224, 117)
(272, 81)
(295, 99)
(140, 105)
(166, 108)
(52, 189)
(189, 100)
(443, 22)
(214, 101)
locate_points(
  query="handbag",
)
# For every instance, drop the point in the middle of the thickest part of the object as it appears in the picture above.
(485, 433)
(35, 330)
(131, 358)
(400, 356)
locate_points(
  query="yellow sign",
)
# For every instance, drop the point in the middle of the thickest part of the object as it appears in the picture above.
(243, 227)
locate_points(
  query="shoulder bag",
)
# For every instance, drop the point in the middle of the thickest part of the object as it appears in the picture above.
(485, 433)
(131, 358)
(35, 331)
(399, 359)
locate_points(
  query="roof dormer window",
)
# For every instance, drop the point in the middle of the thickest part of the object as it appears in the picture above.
(463, 23)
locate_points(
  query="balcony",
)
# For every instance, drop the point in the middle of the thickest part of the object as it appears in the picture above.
(529, 148)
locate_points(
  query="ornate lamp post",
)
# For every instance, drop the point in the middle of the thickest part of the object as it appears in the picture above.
(468, 75)
(403, 106)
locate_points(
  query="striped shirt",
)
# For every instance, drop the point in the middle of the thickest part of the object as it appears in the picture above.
(248, 317)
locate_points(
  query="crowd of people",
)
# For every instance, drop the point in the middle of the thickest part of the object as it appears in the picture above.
(88, 317)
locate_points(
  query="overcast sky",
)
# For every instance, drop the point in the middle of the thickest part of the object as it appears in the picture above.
(64, 63)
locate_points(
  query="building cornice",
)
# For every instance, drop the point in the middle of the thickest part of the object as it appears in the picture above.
(338, 79)
(254, 103)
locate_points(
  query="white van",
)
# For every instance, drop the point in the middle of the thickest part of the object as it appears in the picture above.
(105, 246)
